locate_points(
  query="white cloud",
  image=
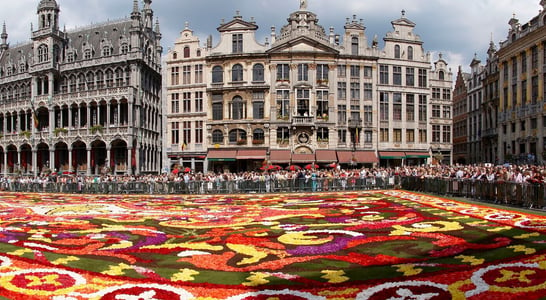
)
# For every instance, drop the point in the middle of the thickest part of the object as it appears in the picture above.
(456, 28)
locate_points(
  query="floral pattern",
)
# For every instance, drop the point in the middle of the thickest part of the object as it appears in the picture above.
(352, 245)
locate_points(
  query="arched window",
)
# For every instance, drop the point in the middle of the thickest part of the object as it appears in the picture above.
(237, 73)
(354, 46)
(237, 108)
(186, 52)
(258, 73)
(217, 74)
(258, 136)
(43, 53)
(217, 137)
(410, 53)
(397, 51)
(198, 53)
(441, 75)
(237, 136)
(175, 55)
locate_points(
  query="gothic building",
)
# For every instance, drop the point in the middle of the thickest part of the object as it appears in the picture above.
(85, 100)
(306, 95)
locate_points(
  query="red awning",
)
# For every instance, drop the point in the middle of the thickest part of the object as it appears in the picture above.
(392, 154)
(251, 154)
(344, 157)
(364, 157)
(326, 156)
(303, 158)
(222, 155)
(280, 156)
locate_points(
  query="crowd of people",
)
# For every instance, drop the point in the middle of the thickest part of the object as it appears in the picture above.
(485, 172)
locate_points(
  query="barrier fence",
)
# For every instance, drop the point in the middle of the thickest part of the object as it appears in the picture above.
(527, 194)
(530, 195)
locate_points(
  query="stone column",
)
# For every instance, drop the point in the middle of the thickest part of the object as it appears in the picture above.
(88, 161)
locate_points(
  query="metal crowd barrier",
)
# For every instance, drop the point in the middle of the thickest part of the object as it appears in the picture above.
(526, 194)
(209, 187)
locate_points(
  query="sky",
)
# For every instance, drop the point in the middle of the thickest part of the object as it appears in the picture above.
(459, 29)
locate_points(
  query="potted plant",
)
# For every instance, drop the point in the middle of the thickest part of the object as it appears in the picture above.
(60, 130)
(96, 128)
(25, 133)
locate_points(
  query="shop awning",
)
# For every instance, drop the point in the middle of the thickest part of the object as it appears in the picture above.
(344, 157)
(366, 157)
(303, 158)
(251, 154)
(280, 156)
(326, 156)
(392, 155)
(417, 155)
(222, 155)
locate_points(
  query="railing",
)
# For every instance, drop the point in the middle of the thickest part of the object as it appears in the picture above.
(218, 186)
(529, 195)
(303, 120)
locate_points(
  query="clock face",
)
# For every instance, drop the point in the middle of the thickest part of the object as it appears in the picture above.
(303, 138)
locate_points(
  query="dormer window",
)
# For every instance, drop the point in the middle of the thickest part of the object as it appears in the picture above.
(397, 51)
(124, 48)
(410, 53)
(186, 52)
(354, 45)
(237, 41)
(175, 55)
(106, 51)
(70, 57)
(87, 54)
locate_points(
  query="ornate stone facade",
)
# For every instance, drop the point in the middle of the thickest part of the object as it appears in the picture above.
(307, 95)
(86, 100)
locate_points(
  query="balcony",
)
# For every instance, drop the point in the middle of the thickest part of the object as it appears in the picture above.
(355, 123)
(303, 121)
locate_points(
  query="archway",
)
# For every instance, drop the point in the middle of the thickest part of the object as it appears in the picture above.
(42, 157)
(79, 157)
(26, 159)
(118, 157)
(12, 158)
(98, 156)
(61, 157)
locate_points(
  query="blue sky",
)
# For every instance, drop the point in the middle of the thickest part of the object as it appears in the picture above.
(456, 28)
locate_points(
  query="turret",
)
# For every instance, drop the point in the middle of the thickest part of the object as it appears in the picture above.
(148, 14)
(48, 15)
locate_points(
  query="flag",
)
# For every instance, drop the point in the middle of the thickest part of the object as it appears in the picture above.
(357, 138)
(184, 146)
(36, 121)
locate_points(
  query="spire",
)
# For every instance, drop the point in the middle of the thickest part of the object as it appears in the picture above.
(135, 6)
(156, 29)
(4, 37)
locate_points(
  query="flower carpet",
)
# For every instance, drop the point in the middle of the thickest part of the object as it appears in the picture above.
(352, 245)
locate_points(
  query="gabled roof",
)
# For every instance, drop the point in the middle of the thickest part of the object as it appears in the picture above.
(237, 24)
(303, 44)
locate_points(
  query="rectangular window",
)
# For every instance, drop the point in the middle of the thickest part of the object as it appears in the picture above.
(175, 104)
(322, 104)
(435, 93)
(534, 57)
(368, 91)
(436, 133)
(397, 75)
(303, 72)
(368, 136)
(322, 72)
(355, 71)
(198, 73)
(423, 108)
(446, 94)
(446, 110)
(175, 76)
(187, 132)
(175, 133)
(422, 136)
(423, 78)
(237, 40)
(186, 74)
(258, 105)
(283, 72)
(534, 89)
(368, 114)
(342, 114)
(524, 91)
(217, 107)
(368, 72)
(342, 136)
(397, 107)
(523, 62)
(341, 71)
(198, 101)
(446, 134)
(342, 90)
(384, 106)
(436, 111)
(199, 132)
(302, 102)
(514, 67)
(283, 104)
(355, 91)
(410, 135)
(384, 74)
(186, 102)
(410, 107)
(397, 135)
(410, 76)
(384, 135)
